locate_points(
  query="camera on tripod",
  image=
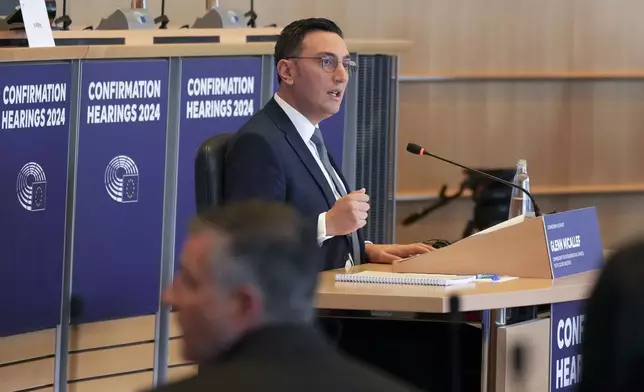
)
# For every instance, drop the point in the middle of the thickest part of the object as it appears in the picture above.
(491, 200)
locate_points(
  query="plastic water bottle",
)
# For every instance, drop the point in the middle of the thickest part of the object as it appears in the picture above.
(520, 204)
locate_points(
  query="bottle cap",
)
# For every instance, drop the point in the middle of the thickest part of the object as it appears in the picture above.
(522, 162)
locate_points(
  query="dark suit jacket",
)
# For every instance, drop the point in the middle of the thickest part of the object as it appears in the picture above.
(285, 358)
(267, 159)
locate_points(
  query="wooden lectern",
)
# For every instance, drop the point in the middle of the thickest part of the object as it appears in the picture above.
(546, 247)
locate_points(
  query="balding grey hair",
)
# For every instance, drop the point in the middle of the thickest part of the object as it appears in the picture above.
(270, 246)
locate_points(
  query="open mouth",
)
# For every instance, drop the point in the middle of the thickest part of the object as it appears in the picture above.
(335, 93)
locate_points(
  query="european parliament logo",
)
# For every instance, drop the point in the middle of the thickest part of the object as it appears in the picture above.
(122, 179)
(31, 187)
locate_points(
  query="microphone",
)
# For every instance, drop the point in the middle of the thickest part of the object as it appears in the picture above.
(163, 18)
(418, 150)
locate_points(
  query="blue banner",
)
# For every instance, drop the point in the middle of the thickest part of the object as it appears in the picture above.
(34, 137)
(566, 334)
(120, 187)
(574, 242)
(332, 129)
(218, 95)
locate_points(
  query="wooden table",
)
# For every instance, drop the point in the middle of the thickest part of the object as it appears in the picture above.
(491, 298)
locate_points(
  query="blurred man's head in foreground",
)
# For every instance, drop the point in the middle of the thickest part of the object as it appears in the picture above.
(243, 266)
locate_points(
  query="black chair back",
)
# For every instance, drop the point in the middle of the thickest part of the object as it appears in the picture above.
(209, 171)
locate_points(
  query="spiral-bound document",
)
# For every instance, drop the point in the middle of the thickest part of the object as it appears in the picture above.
(405, 278)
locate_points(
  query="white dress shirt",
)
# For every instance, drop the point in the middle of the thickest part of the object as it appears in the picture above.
(305, 128)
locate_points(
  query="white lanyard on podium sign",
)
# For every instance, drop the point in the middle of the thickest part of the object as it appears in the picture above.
(36, 21)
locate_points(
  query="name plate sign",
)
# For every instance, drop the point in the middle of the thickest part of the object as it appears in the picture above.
(573, 241)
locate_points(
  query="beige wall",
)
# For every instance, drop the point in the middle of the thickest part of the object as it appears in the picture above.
(541, 94)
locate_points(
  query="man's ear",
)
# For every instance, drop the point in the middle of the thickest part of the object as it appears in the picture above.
(249, 305)
(286, 71)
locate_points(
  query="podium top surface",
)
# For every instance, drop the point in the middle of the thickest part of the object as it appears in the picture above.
(435, 299)
(141, 44)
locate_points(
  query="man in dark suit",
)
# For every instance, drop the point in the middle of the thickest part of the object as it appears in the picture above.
(279, 154)
(244, 300)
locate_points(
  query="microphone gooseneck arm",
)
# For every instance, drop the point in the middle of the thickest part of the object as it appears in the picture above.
(416, 149)
(163, 18)
(251, 15)
(64, 18)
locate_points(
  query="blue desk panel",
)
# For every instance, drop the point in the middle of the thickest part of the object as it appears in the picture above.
(34, 149)
(218, 95)
(120, 187)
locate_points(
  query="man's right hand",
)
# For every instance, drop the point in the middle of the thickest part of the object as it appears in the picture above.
(348, 214)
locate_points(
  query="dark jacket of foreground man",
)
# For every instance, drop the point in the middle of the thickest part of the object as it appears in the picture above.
(286, 358)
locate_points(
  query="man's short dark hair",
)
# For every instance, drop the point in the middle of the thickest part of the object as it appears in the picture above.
(272, 247)
(289, 43)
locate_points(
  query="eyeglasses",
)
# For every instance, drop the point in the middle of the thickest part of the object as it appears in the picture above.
(330, 63)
